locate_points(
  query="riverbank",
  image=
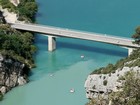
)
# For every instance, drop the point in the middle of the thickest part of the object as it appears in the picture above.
(16, 47)
(12, 74)
(104, 82)
(108, 17)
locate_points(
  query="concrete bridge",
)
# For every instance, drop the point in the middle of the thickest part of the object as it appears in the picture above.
(53, 32)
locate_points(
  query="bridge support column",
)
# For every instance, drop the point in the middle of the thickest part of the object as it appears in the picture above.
(51, 43)
(130, 50)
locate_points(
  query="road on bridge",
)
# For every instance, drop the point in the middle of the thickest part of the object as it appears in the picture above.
(62, 32)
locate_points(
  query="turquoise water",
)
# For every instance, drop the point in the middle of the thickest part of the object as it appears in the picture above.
(115, 17)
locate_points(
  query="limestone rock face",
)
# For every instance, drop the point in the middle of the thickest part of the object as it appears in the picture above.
(3, 90)
(21, 80)
(102, 84)
(12, 73)
(15, 2)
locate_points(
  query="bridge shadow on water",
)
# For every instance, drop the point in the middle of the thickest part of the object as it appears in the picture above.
(93, 48)
(51, 66)
(79, 46)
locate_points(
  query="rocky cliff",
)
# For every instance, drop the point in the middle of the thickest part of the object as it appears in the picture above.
(103, 84)
(16, 47)
(12, 73)
(116, 83)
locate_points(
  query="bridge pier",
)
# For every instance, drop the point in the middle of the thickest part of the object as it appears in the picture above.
(51, 43)
(130, 50)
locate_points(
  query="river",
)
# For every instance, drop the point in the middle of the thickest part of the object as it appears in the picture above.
(59, 71)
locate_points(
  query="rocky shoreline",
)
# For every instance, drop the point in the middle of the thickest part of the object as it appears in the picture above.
(104, 84)
(12, 73)
(106, 81)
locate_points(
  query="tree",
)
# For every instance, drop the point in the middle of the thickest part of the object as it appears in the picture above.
(136, 36)
(105, 82)
(130, 94)
(100, 100)
(27, 9)
(17, 45)
(1, 96)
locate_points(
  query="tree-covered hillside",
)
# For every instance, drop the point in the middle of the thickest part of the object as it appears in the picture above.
(16, 47)
(16, 44)
(25, 10)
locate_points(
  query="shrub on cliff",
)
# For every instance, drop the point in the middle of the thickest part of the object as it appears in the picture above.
(7, 4)
(100, 100)
(110, 68)
(136, 35)
(130, 94)
(1, 97)
(26, 9)
(105, 82)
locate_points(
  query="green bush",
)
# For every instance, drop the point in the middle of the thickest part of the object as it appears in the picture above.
(131, 90)
(18, 45)
(1, 96)
(105, 82)
(26, 10)
(110, 68)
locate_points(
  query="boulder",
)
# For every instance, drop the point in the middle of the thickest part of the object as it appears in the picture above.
(21, 80)
(3, 90)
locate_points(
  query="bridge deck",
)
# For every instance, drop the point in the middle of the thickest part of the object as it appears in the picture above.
(61, 32)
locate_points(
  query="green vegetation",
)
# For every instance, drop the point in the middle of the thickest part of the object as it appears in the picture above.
(134, 58)
(7, 4)
(136, 36)
(130, 94)
(98, 101)
(105, 82)
(16, 44)
(1, 96)
(110, 68)
(26, 9)
(131, 91)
